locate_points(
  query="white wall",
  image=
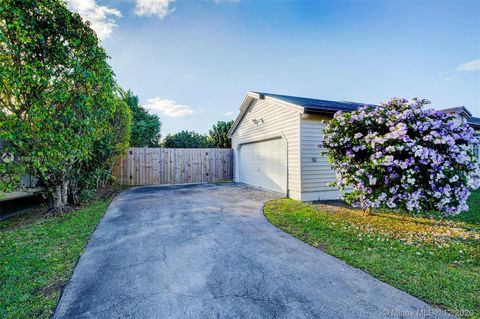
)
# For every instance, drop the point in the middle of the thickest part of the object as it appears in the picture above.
(279, 120)
(315, 169)
(476, 148)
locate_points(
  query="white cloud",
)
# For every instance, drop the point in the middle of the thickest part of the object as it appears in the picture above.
(229, 113)
(149, 8)
(168, 108)
(102, 18)
(470, 66)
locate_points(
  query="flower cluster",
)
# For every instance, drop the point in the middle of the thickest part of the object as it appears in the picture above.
(403, 156)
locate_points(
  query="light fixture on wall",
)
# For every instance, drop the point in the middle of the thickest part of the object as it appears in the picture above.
(257, 121)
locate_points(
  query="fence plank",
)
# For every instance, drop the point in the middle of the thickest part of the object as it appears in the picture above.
(147, 166)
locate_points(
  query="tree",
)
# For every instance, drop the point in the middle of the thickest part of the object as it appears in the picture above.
(145, 126)
(400, 155)
(186, 139)
(112, 145)
(57, 96)
(219, 134)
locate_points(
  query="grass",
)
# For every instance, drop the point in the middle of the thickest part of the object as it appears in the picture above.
(436, 260)
(473, 215)
(37, 255)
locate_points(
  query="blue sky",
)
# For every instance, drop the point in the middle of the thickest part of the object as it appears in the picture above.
(192, 62)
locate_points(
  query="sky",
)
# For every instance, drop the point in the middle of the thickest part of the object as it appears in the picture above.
(192, 62)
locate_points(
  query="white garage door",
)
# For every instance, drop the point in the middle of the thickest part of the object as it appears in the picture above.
(264, 164)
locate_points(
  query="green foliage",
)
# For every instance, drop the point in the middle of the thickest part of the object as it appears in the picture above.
(123, 124)
(473, 214)
(10, 173)
(186, 139)
(57, 97)
(145, 126)
(219, 134)
(113, 144)
(217, 138)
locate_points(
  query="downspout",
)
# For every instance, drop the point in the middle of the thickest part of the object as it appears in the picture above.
(286, 165)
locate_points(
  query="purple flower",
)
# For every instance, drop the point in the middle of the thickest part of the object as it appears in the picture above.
(419, 159)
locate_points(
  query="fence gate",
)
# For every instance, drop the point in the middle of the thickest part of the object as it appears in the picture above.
(147, 166)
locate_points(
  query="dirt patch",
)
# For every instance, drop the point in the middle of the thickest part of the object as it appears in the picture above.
(336, 207)
(54, 287)
(43, 211)
(109, 191)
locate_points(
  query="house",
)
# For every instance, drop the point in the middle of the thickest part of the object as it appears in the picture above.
(463, 115)
(475, 123)
(275, 142)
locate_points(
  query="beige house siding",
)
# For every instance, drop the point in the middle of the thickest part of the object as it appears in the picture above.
(279, 120)
(476, 148)
(316, 172)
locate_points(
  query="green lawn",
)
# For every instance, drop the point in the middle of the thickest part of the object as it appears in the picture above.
(473, 215)
(37, 256)
(436, 260)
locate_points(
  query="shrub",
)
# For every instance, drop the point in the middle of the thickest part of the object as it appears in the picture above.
(218, 135)
(145, 131)
(57, 95)
(400, 155)
(109, 147)
(186, 139)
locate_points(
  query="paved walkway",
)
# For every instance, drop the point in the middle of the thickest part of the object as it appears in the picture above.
(207, 251)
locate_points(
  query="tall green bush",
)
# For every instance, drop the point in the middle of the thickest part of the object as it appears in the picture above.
(108, 148)
(145, 126)
(219, 134)
(57, 96)
(186, 139)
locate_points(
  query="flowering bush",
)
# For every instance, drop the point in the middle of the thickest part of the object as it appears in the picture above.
(403, 156)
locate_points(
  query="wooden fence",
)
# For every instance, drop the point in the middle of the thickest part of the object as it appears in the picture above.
(148, 166)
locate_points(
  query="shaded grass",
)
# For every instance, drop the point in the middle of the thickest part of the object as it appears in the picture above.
(38, 252)
(473, 215)
(435, 260)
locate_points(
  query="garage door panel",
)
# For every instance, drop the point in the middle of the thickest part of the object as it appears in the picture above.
(263, 164)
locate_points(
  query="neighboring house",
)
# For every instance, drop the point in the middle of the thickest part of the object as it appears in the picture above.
(275, 141)
(464, 115)
(475, 123)
(27, 180)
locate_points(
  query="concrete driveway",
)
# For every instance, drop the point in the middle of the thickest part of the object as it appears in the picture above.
(206, 251)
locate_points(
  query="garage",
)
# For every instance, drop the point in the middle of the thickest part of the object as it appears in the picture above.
(275, 142)
(264, 164)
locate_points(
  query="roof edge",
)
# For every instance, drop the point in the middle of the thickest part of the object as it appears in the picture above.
(247, 101)
(459, 110)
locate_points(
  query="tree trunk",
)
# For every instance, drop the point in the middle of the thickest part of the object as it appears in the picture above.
(366, 212)
(65, 193)
(74, 192)
(59, 199)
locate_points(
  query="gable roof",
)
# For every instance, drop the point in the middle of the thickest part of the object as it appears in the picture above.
(303, 104)
(326, 107)
(459, 110)
(474, 122)
(463, 111)
(310, 105)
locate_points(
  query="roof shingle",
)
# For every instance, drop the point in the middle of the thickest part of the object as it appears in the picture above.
(474, 122)
(316, 105)
(329, 107)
